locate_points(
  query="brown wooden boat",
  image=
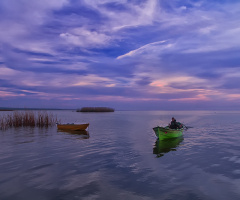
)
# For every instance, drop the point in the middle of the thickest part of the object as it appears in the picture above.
(72, 127)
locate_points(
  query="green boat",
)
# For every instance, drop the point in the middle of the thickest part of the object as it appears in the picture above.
(166, 133)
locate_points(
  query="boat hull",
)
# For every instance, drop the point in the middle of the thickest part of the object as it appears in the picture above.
(72, 127)
(166, 133)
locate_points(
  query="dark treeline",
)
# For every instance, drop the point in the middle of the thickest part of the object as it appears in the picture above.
(95, 109)
(27, 118)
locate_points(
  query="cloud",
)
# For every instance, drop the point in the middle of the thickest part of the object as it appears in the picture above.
(147, 50)
(200, 30)
(85, 38)
(6, 94)
(133, 15)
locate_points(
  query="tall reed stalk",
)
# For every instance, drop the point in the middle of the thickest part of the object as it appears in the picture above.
(27, 118)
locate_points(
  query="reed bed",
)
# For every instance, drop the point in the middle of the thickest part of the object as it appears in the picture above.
(27, 119)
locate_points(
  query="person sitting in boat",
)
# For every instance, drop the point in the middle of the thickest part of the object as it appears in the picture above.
(174, 124)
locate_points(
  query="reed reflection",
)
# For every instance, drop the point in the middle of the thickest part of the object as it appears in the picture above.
(164, 146)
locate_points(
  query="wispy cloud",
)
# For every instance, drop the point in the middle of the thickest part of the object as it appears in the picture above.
(85, 38)
(148, 48)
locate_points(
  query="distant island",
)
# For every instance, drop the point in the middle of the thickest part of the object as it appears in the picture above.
(95, 109)
(5, 109)
(16, 109)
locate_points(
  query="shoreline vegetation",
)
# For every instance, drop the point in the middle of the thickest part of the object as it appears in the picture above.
(30, 109)
(27, 119)
(95, 109)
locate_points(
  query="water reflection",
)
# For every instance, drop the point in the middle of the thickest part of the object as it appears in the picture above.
(83, 133)
(164, 146)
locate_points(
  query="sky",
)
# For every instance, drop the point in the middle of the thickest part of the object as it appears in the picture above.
(128, 54)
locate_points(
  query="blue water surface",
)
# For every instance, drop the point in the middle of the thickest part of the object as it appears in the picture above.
(122, 159)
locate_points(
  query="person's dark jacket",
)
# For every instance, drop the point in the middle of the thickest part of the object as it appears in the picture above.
(174, 125)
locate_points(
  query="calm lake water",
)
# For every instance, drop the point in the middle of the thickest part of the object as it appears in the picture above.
(122, 159)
